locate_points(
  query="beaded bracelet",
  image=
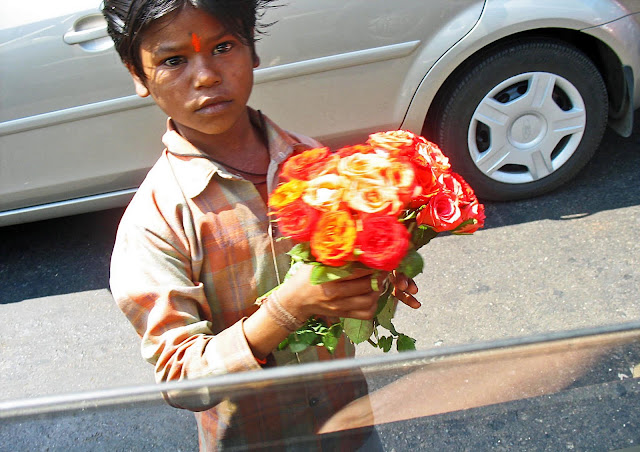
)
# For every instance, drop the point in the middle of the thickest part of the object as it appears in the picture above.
(281, 316)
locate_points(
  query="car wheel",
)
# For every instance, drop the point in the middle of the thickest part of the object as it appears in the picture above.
(523, 119)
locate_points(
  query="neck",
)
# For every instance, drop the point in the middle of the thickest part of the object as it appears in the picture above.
(242, 146)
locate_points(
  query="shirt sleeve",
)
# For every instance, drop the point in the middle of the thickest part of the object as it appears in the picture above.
(152, 281)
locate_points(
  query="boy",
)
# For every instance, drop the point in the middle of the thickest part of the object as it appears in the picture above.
(193, 250)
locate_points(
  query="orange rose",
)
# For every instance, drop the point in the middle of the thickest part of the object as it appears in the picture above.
(397, 142)
(434, 155)
(371, 197)
(309, 164)
(286, 193)
(402, 176)
(297, 220)
(383, 242)
(363, 166)
(442, 213)
(355, 149)
(326, 192)
(333, 241)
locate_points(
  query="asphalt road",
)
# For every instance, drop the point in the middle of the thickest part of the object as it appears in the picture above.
(567, 260)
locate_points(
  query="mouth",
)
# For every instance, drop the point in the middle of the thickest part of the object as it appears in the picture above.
(212, 105)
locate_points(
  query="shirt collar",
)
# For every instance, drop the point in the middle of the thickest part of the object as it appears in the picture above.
(195, 173)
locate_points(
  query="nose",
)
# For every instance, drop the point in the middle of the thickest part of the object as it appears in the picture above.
(206, 74)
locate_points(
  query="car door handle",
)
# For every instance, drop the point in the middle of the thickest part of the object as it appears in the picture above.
(77, 37)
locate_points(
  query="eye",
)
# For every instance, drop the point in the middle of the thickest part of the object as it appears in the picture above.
(173, 61)
(222, 48)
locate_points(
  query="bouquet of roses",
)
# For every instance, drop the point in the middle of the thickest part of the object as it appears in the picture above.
(373, 205)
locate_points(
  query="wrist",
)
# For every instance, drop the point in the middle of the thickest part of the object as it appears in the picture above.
(292, 302)
(281, 315)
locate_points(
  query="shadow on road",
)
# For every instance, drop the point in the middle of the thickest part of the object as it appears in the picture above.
(57, 256)
(72, 254)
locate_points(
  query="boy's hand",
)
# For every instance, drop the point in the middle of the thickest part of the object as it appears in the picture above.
(352, 296)
(404, 289)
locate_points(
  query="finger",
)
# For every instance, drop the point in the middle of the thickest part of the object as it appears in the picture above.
(412, 287)
(359, 273)
(408, 299)
(362, 314)
(399, 280)
(345, 288)
(360, 307)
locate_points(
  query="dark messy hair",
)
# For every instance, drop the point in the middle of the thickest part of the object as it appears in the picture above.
(128, 19)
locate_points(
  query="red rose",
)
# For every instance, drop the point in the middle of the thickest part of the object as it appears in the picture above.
(383, 242)
(454, 183)
(473, 214)
(425, 174)
(442, 213)
(421, 200)
(297, 220)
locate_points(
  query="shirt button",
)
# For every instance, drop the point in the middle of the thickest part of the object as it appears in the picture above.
(313, 401)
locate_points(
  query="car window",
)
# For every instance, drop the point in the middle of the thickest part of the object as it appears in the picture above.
(528, 394)
(528, 334)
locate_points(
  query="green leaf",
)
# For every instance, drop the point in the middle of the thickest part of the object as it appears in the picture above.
(385, 343)
(284, 344)
(409, 215)
(386, 314)
(336, 329)
(374, 281)
(324, 273)
(465, 223)
(298, 342)
(358, 330)
(301, 252)
(382, 301)
(412, 264)
(330, 342)
(405, 343)
(422, 235)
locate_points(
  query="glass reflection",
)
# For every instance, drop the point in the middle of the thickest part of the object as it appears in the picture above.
(576, 390)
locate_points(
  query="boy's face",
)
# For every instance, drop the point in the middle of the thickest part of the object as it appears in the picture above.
(197, 72)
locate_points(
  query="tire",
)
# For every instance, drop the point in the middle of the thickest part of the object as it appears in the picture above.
(523, 120)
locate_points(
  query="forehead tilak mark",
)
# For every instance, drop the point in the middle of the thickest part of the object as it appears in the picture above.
(195, 42)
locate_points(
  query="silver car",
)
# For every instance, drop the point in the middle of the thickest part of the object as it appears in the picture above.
(516, 92)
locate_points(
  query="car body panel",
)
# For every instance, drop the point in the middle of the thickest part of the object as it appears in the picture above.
(74, 134)
(371, 95)
(527, 15)
(104, 109)
(54, 125)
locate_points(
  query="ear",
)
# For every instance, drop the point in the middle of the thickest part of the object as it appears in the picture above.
(138, 83)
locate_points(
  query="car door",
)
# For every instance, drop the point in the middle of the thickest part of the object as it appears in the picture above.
(70, 123)
(338, 70)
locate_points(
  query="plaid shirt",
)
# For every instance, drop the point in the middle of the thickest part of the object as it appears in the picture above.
(191, 256)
